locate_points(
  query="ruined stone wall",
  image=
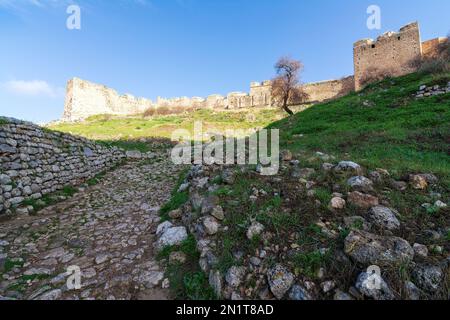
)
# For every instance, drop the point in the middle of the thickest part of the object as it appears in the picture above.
(391, 53)
(328, 90)
(85, 99)
(431, 48)
(35, 161)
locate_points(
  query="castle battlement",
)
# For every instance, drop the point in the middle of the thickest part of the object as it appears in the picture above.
(391, 52)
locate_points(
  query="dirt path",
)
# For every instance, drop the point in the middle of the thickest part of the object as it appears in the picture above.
(106, 230)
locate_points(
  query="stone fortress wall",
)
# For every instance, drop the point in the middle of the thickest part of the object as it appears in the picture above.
(35, 162)
(392, 51)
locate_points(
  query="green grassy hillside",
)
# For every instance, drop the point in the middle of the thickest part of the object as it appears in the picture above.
(383, 126)
(106, 127)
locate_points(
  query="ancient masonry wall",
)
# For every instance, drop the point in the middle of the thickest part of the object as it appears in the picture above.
(392, 52)
(35, 162)
(85, 99)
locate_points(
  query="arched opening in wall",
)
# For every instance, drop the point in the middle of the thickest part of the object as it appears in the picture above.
(373, 46)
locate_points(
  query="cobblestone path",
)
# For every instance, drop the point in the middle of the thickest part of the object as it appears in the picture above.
(106, 230)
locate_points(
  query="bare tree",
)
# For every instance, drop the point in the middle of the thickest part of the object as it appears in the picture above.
(286, 86)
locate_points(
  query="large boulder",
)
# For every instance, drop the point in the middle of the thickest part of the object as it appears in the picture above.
(371, 249)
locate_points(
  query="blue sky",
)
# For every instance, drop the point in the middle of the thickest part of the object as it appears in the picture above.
(170, 48)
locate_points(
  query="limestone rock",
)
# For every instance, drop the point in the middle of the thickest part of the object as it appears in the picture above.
(384, 217)
(234, 276)
(299, 293)
(280, 280)
(428, 277)
(211, 225)
(348, 166)
(370, 249)
(337, 203)
(172, 236)
(362, 200)
(360, 183)
(374, 286)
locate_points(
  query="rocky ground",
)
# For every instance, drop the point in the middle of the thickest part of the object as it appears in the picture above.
(320, 229)
(107, 230)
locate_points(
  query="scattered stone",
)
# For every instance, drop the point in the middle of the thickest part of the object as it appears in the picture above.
(374, 286)
(428, 277)
(384, 217)
(299, 293)
(163, 227)
(360, 183)
(171, 237)
(177, 257)
(420, 250)
(234, 276)
(348, 166)
(327, 286)
(175, 214)
(340, 295)
(411, 291)
(218, 213)
(211, 225)
(337, 203)
(371, 249)
(280, 280)
(286, 155)
(439, 204)
(254, 230)
(361, 200)
(418, 182)
(215, 281)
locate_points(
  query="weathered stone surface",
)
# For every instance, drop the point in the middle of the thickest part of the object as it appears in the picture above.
(211, 225)
(234, 276)
(280, 280)
(428, 277)
(374, 286)
(371, 249)
(360, 183)
(420, 250)
(299, 293)
(362, 200)
(337, 203)
(172, 236)
(348, 166)
(217, 213)
(384, 217)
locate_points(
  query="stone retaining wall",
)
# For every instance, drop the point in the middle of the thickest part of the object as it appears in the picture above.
(35, 161)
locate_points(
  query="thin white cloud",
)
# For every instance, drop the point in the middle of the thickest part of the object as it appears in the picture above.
(33, 88)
